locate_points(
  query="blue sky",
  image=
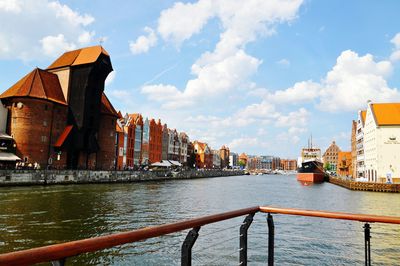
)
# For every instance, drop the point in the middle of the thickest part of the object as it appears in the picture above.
(260, 76)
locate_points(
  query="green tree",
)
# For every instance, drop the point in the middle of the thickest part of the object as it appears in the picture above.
(327, 166)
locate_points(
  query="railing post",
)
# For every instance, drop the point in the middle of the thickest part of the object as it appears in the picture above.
(271, 235)
(186, 251)
(367, 240)
(243, 239)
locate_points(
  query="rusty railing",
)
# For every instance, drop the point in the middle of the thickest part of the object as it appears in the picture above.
(58, 253)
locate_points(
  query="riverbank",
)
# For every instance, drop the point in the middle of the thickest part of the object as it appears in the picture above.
(365, 186)
(58, 177)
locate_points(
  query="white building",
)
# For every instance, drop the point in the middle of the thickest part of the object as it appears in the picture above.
(360, 143)
(183, 147)
(216, 159)
(382, 142)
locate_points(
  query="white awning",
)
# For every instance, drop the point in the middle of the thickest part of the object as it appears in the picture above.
(176, 163)
(162, 164)
(4, 136)
(6, 156)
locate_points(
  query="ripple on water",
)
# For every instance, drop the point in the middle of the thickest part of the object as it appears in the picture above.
(36, 216)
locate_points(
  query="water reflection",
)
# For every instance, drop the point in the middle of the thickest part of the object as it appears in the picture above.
(35, 216)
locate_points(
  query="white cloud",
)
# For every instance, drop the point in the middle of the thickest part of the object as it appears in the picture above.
(213, 79)
(181, 21)
(296, 118)
(283, 62)
(353, 81)
(86, 37)
(144, 43)
(301, 92)
(395, 56)
(228, 67)
(13, 6)
(52, 45)
(243, 143)
(396, 40)
(33, 28)
(110, 78)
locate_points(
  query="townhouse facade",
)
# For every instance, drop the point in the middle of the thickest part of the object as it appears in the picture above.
(360, 165)
(330, 156)
(382, 142)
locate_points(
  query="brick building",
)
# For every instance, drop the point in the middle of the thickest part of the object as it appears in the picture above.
(288, 165)
(119, 145)
(62, 112)
(344, 163)
(145, 142)
(224, 154)
(183, 147)
(37, 118)
(136, 125)
(165, 142)
(204, 156)
(243, 159)
(155, 151)
(173, 145)
(106, 136)
(331, 156)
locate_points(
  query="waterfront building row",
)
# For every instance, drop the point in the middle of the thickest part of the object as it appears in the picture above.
(377, 143)
(60, 117)
(338, 161)
(269, 163)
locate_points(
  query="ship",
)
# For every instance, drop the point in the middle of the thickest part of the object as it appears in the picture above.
(310, 165)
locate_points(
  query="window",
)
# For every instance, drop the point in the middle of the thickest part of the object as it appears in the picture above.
(45, 123)
(45, 107)
(44, 138)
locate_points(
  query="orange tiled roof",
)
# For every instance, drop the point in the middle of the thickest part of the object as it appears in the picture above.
(37, 84)
(106, 106)
(386, 114)
(363, 115)
(118, 128)
(81, 56)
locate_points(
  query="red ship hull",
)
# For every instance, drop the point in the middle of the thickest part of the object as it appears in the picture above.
(311, 177)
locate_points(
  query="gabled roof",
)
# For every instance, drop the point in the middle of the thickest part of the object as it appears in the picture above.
(118, 128)
(386, 114)
(363, 115)
(81, 56)
(38, 84)
(106, 106)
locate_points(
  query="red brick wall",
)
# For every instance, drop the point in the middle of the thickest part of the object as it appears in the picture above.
(130, 145)
(155, 152)
(35, 127)
(120, 151)
(106, 139)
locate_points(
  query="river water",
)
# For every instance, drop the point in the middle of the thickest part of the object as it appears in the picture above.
(36, 216)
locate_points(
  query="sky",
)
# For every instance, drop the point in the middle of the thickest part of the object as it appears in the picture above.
(260, 76)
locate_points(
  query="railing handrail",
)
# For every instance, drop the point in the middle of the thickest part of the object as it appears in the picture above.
(368, 218)
(73, 248)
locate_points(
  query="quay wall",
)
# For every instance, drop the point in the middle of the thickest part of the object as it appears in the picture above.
(56, 177)
(365, 186)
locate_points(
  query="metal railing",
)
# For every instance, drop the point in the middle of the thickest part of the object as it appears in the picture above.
(58, 253)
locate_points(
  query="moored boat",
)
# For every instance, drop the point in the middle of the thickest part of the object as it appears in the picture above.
(311, 167)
